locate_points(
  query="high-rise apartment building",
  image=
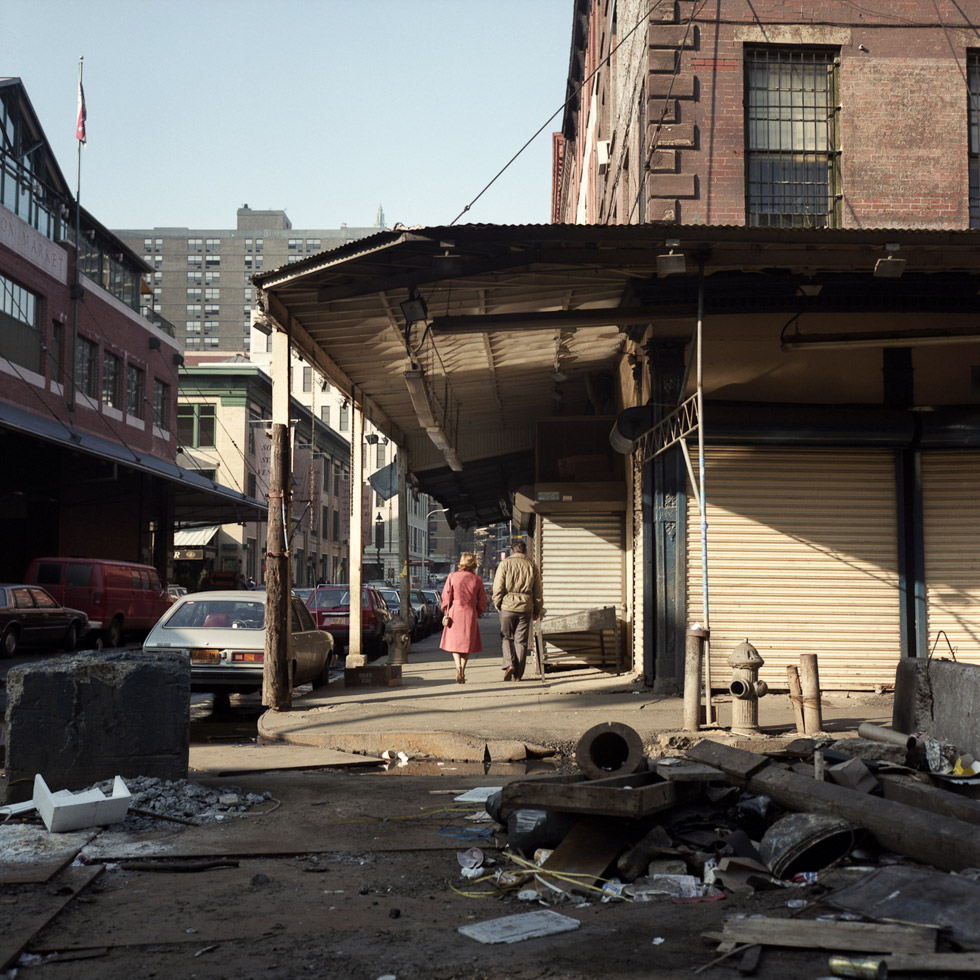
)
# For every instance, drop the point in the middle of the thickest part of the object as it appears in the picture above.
(200, 277)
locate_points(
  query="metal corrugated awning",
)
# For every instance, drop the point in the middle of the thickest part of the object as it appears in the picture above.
(194, 537)
(196, 499)
(529, 322)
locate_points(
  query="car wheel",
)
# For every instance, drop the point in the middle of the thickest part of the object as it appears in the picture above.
(323, 678)
(114, 634)
(8, 645)
(71, 637)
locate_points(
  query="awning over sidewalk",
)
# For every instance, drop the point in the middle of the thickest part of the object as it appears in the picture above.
(197, 499)
(457, 340)
(195, 537)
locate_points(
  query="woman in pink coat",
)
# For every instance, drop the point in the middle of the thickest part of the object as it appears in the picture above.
(464, 601)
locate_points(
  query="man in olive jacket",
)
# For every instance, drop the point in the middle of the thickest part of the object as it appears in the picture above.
(517, 596)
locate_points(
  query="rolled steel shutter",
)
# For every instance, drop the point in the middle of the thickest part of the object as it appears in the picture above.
(951, 540)
(583, 567)
(802, 558)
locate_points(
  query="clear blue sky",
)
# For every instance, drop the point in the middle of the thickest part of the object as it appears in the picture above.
(325, 108)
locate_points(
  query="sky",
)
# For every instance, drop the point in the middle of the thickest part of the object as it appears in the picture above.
(323, 108)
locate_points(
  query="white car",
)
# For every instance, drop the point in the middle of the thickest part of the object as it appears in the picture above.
(223, 635)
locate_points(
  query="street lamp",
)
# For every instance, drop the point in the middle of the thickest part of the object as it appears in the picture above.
(379, 540)
(428, 541)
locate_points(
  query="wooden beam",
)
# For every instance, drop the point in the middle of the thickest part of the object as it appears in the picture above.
(931, 838)
(870, 937)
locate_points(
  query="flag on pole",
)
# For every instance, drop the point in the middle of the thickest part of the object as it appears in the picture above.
(82, 114)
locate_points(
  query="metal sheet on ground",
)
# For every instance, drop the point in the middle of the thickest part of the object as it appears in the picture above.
(32, 913)
(29, 853)
(230, 760)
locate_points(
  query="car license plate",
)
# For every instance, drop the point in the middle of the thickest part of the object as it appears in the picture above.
(337, 620)
(205, 656)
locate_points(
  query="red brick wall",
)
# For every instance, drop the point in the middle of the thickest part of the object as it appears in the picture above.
(903, 122)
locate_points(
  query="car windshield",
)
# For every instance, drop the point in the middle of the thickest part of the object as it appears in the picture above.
(390, 596)
(218, 614)
(331, 598)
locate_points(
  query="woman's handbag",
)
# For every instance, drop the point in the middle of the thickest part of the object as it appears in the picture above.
(447, 619)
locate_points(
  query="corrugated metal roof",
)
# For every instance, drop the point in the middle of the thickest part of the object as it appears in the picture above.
(194, 537)
(342, 309)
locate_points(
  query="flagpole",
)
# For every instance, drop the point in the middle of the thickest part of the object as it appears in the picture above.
(76, 278)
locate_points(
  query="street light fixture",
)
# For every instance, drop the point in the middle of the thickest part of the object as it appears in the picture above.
(427, 562)
(379, 540)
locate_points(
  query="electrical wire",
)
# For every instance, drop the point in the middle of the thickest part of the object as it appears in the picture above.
(643, 19)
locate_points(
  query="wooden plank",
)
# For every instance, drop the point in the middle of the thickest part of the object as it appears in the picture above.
(585, 854)
(587, 621)
(639, 795)
(18, 931)
(924, 796)
(48, 855)
(934, 963)
(869, 937)
(732, 762)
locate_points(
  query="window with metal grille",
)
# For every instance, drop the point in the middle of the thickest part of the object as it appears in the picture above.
(792, 158)
(973, 110)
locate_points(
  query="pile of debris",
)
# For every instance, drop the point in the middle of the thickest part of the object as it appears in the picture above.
(855, 826)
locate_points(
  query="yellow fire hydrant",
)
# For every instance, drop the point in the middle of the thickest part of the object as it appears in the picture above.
(746, 688)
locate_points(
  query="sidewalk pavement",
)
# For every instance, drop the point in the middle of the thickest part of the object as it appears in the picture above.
(431, 715)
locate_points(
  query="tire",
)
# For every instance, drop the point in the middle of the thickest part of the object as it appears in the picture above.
(114, 634)
(71, 637)
(8, 643)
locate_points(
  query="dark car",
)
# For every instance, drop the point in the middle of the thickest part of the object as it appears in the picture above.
(393, 600)
(435, 607)
(30, 617)
(423, 614)
(330, 605)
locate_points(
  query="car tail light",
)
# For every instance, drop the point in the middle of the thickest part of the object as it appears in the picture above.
(247, 657)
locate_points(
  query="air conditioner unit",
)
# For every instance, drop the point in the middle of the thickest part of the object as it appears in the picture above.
(602, 155)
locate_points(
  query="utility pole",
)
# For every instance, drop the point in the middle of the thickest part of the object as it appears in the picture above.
(276, 687)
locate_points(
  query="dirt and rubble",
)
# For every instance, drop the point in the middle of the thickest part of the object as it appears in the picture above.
(372, 872)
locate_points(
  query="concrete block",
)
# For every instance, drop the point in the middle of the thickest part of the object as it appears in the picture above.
(387, 675)
(80, 719)
(941, 699)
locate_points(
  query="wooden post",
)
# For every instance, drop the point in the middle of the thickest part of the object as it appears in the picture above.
(355, 651)
(796, 696)
(276, 686)
(810, 685)
(693, 655)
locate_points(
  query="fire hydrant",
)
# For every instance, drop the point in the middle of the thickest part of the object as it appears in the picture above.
(746, 688)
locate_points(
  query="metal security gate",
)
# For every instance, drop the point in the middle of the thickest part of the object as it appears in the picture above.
(582, 560)
(802, 552)
(951, 542)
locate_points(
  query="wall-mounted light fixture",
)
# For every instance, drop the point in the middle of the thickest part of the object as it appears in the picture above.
(414, 308)
(810, 289)
(673, 263)
(891, 266)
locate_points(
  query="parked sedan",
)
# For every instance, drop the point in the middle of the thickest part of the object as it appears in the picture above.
(423, 614)
(223, 634)
(330, 605)
(30, 617)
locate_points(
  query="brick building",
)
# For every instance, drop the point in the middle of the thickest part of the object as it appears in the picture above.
(808, 174)
(88, 387)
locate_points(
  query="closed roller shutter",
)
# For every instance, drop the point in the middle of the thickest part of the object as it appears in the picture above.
(951, 532)
(582, 567)
(802, 558)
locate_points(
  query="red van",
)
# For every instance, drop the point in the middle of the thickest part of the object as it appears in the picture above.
(120, 597)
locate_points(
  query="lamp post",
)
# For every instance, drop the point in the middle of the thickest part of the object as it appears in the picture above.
(379, 540)
(426, 563)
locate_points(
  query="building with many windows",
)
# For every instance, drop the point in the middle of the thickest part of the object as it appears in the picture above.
(200, 277)
(88, 386)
